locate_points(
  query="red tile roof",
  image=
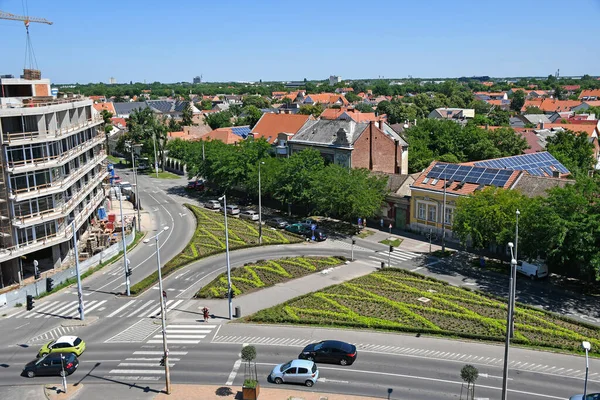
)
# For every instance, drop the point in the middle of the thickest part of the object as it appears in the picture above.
(589, 129)
(108, 106)
(590, 93)
(119, 122)
(357, 116)
(550, 105)
(225, 135)
(270, 125)
(571, 87)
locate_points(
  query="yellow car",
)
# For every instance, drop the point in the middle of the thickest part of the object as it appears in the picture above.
(64, 344)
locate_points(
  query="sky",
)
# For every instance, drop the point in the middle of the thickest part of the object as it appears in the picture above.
(275, 40)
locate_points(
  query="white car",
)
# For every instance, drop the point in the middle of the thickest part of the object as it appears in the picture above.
(213, 205)
(534, 270)
(249, 214)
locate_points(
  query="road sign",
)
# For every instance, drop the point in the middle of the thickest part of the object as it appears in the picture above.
(360, 221)
(313, 227)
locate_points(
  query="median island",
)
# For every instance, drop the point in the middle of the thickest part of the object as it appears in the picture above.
(404, 301)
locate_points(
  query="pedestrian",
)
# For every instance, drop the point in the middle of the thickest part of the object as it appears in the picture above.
(205, 312)
(364, 222)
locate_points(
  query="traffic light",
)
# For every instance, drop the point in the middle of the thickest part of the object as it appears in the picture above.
(36, 273)
(391, 249)
(49, 284)
(29, 302)
(353, 241)
(129, 272)
(162, 361)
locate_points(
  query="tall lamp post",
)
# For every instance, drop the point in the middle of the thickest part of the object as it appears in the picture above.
(125, 260)
(587, 347)
(77, 272)
(514, 274)
(509, 319)
(444, 221)
(224, 199)
(259, 205)
(137, 196)
(162, 311)
(155, 158)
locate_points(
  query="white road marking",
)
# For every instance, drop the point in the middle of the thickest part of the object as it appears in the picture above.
(137, 371)
(141, 308)
(236, 367)
(151, 353)
(118, 310)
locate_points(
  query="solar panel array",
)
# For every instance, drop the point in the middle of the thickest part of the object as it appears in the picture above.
(242, 131)
(539, 164)
(468, 174)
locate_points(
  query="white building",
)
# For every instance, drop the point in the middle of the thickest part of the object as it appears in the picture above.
(52, 168)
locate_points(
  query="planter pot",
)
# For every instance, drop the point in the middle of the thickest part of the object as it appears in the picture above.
(250, 393)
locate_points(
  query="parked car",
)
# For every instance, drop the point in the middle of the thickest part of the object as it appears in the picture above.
(196, 185)
(295, 371)
(318, 234)
(52, 364)
(310, 222)
(330, 351)
(64, 344)
(277, 222)
(213, 204)
(532, 270)
(300, 229)
(591, 396)
(249, 214)
(233, 209)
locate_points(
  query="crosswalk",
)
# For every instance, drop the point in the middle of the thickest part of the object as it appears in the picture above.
(183, 334)
(54, 333)
(70, 309)
(144, 366)
(395, 257)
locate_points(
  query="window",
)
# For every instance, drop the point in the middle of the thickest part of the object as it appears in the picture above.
(421, 210)
(302, 370)
(431, 213)
(76, 342)
(291, 371)
(449, 217)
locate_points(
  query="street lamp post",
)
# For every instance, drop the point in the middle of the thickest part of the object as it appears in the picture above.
(224, 199)
(514, 274)
(77, 272)
(125, 260)
(259, 205)
(444, 221)
(509, 319)
(587, 347)
(163, 312)
(155, 158)
(137, 195)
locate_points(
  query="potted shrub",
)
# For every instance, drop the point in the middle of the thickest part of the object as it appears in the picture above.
(251, 387)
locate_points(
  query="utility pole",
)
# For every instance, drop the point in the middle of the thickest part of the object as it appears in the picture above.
(137, 195)
(509, 318)
(514, 276)
(125, 260)
(79, 292)
(444, 221)
(155, 157)
(259, 206)
(224, 198)
(163, 316)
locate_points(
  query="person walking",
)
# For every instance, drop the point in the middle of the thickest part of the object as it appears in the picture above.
(205, 312)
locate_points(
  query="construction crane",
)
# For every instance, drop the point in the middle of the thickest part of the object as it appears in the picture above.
(26, 20)
(30, 69)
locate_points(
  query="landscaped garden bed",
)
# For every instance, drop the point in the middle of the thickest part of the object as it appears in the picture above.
(262, 274)
(399, 300)
(209, 239)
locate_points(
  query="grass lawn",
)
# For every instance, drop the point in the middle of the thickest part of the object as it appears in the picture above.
(399, 300)
(391, 242)
(209, 239)
(262, 274)
(115, 160)
(443, 254)
(161, 174)
(365, 233)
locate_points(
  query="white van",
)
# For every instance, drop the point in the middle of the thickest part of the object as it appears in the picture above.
(533, 270)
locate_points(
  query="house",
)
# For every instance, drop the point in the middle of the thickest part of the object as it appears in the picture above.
(190, 133)
(120, 123)
(98, 99)
(591, 130)
(491, 96)
(269, 126)
(591, 94)
(550, 106)
(109, 106)
(278, 95)
(530, 93)
(350, 114)
(325, 99)
(571, 89)
(586, 105)
(344, 90)
(375, 146)
(123, 110)
(229, 135)
(452, 113)
(501, 104)
(396, 206)
(534, 119)
(436, 190)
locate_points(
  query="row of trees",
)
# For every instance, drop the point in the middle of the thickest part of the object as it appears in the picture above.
(562, 228)
(303, 179)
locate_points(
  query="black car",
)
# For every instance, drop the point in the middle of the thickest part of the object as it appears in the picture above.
(317, 233)
(330, 351)
(52, 364)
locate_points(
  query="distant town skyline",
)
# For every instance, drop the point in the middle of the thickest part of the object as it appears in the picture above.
(236, 41)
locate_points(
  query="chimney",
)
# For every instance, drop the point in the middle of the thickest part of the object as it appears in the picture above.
(555, 174)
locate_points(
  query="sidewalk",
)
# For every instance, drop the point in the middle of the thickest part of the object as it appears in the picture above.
(409, 243)
(148, 222)
(280, 293)
(205, 392)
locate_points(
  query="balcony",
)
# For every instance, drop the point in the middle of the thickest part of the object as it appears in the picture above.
(54, 161)
(44, 136)
(61, 184)
(61, 210)
(63, 235)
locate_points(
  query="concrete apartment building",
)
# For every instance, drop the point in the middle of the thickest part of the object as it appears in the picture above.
(52, 164)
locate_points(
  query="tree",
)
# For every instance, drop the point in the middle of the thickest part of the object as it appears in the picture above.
(364, 107)
(480, 107)
(312, 109)
(533, 110)
(573, 150)
(187, 116)
(177, 148)
(218, 120)
(206, 104)
(173, 125)
(469, 375)
(487, 217)
(252, 115)
(250, 372)
(517, 101)
(256, 101)
(508, 141)
(352, 97)
(347, 193)
(106, 117)
(145, 128)
(559, 92)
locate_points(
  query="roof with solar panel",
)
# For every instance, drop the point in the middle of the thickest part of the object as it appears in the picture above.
(537, 164)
